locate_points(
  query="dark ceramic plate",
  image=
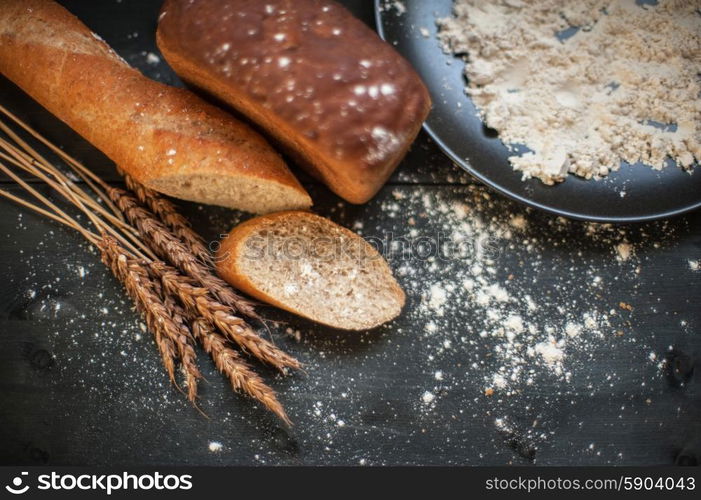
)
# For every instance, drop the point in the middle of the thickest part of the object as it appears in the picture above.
(633, 193)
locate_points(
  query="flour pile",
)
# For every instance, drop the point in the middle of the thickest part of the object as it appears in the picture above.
(584, 84)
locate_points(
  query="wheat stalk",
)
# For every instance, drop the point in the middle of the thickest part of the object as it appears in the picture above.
(92, 180)
(139, 287)
(170, 217)
(160, 311)
(170, 248)
(239, 373)
(72, 193)
(198, 301)
(185, 342)
(227, 360)
(133, 275)
(180, 309)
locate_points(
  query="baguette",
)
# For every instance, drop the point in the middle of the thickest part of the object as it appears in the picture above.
(166, 138)
(340, 101)
(312, 267)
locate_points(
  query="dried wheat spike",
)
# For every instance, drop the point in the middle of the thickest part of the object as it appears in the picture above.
(137, 284)
(169, 216)
(170, 248)
(239, 373)
(198, 302)
(184, 343)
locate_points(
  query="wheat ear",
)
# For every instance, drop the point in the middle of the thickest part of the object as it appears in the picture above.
(133, 263)
(137, 284)
(171, 218)
(186, 351)
(239, 373)
(199, 303)
(170, 248)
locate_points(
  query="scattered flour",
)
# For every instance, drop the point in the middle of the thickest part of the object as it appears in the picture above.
(215, 446)
(437, 298)
(517, 306)
(514, 289)
(573, 329)
(398, 6)
(586, 84)
(551, 353)
(152, 58)
(624, 250)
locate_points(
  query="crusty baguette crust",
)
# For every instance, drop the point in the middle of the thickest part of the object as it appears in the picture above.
(233, 245)
(339, 100)
(154, 132)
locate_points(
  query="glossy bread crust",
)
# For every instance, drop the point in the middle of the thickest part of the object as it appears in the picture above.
(154, 132)
(339, 100)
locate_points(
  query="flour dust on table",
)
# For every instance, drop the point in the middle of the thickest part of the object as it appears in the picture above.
(478, 303)
(519, 315)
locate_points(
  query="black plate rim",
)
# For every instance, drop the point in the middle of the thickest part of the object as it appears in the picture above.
(379, 22)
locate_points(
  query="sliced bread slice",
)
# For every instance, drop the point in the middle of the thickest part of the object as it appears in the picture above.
(312, 267)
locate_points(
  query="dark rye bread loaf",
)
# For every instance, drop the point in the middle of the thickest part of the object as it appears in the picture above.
(164, 137)
(340, 101)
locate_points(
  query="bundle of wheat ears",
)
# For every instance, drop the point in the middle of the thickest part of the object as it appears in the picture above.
(163, 264)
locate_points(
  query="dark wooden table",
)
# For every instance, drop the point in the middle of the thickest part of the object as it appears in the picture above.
(81, 381)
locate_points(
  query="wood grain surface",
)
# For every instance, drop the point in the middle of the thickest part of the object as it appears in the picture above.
(81, 382)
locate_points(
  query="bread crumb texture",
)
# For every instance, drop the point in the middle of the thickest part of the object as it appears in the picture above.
(320, 270)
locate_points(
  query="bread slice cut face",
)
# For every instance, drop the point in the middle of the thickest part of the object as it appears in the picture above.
(311, 266)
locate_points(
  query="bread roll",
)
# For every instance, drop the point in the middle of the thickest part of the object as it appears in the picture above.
(166, 138)
(342, 102)
(310, 266)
